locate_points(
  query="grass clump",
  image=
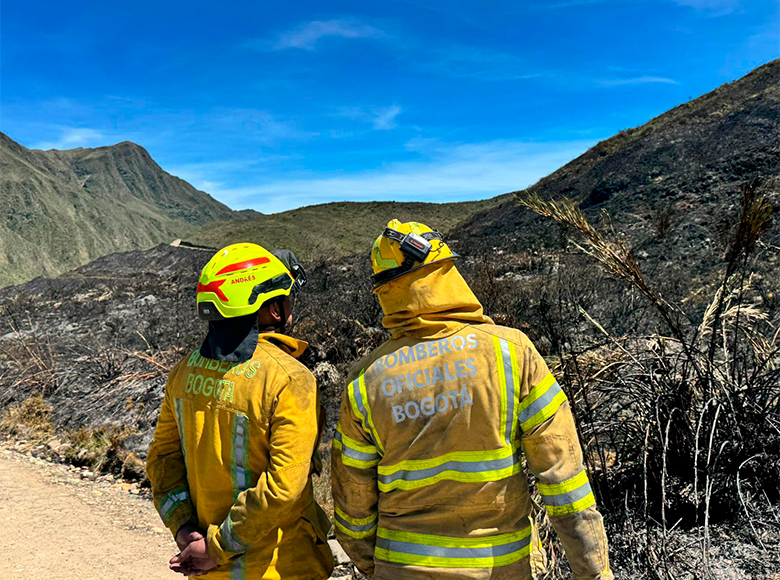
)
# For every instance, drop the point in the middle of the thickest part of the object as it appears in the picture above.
(30, 419)
(101, 449)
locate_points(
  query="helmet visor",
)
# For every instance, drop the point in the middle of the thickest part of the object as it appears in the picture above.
(282, 281)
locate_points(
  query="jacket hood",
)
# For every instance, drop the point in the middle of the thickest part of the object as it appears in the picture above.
(432, 302)
(288, 344)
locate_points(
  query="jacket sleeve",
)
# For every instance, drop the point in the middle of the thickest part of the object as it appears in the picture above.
(167, 471)
(554, 456)
(293, 432)
(354, 479)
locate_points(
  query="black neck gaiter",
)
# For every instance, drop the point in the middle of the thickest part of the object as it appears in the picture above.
(233, 339)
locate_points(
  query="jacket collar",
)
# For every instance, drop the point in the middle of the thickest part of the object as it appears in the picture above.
(292, 346)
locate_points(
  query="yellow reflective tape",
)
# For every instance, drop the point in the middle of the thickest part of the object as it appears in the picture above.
(351, 461)
(537, 392)
(418, 464)
(435, 562)
(353, 402)
(356, 535)
(572, 508)
(542, 416)
(360, 464)
(353, 444)
(369, 418)
(502, 382)
(516, 381)
(450, 542)
(354, 521)
(451, 475)
(565, 486)
(365, 420)
(383, 263)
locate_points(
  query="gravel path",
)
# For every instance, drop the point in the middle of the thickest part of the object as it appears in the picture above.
(59, 522)
(56, 525)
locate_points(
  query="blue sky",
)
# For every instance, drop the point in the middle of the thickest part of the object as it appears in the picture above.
(274, 106)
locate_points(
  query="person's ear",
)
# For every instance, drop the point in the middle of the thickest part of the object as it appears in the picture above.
(276, 311)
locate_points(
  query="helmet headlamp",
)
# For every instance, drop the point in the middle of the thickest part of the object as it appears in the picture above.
(414, 247)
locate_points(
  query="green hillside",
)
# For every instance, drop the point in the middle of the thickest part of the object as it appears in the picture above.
(64, 208)
(336, 229)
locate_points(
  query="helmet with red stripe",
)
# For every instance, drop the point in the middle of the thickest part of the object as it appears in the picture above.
(240, 278)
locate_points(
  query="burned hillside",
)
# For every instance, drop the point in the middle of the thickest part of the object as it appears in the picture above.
(97, 344)
(671, 186)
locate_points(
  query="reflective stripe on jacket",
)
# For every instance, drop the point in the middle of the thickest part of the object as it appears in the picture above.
(232, 453)
(427, 472)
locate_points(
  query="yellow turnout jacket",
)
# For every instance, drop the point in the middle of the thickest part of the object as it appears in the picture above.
(232, 454)
(427, 475)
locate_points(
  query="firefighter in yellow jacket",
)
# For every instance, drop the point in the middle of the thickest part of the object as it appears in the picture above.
(427, 478)
(231, 460)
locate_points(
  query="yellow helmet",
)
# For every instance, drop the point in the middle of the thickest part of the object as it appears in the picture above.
(404, 248)
(240, 278)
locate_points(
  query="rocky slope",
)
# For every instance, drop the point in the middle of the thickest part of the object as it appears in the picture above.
(65, 208)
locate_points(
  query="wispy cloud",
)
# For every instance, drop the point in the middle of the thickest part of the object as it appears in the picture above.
(307, 36)
(711, 7)
(72, 137)
(459, 61)
(200, 175)
(385, 119)
(257, 125)
(716, 5)
(380, 118)
(641, 80)
(211, 176)
(766, 38)
(447, 173)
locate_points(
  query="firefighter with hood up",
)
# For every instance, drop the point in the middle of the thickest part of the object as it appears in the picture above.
(427, 475)
(231, 460)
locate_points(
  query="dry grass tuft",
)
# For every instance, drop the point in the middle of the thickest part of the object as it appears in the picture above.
(30, 418)
(101, 449)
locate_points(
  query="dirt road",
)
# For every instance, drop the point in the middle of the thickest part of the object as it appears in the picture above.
(56, 526)
(58, 523)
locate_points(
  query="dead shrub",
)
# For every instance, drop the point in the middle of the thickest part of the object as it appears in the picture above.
(682, 425)
(30, 357)
(663, 220)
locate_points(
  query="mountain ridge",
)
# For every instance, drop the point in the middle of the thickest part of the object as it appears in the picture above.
(83, 203)
(65, 208)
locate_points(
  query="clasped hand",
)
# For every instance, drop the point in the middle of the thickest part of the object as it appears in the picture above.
(193, 558)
